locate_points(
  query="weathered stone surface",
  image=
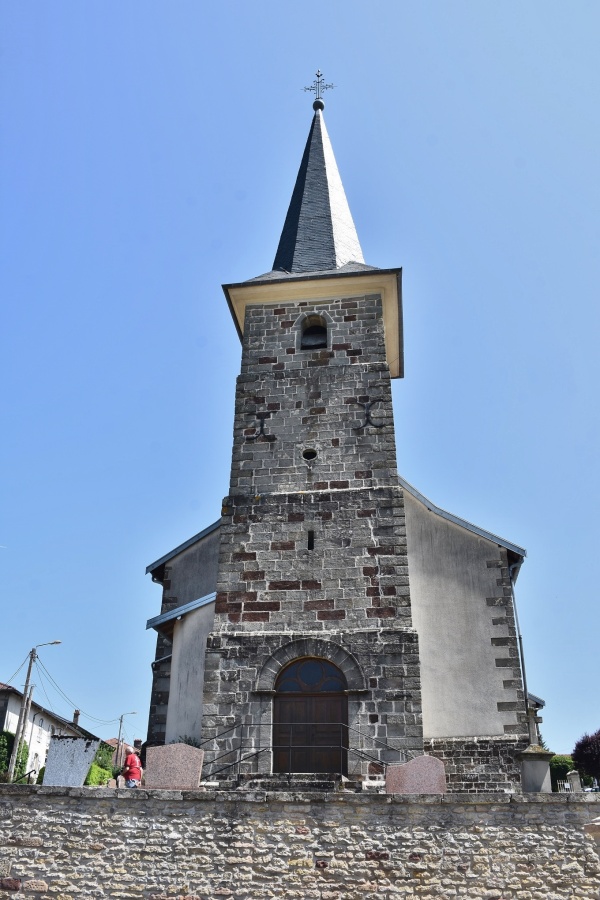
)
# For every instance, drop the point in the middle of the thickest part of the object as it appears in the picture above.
(480, 764)
(173, 767)
(69, 761)
(23, 841)
(313, 537)
(535, 768)
(163, 846)
(422, 775)
(593, 830)
(40, 887)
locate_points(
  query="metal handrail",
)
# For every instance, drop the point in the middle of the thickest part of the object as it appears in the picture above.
(270, 725)
(238, 761)
(26, 775)
(221, 733)
(242, 759)
(358, 751)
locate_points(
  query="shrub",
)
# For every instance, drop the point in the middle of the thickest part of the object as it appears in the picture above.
(7, 740)
(187, 739)
(5, 736)
(559, 766)
(40, 778)
(101, 769)
(104, 755)
(97, 775)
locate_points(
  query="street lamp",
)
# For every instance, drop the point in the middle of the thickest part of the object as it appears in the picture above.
(25, 707)
(119, 756)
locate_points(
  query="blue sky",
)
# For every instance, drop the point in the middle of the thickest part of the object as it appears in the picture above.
(147, 155)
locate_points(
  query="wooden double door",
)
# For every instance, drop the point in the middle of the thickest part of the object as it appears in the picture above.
(309, 733)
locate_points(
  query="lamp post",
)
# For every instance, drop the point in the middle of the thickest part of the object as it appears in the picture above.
(119, 756)
(25, 706)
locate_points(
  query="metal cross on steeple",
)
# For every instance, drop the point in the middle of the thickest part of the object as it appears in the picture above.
(317, 87)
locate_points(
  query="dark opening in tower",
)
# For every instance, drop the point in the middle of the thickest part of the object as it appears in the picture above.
(314, 333)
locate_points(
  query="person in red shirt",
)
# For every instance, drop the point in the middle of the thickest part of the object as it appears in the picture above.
(132, 770)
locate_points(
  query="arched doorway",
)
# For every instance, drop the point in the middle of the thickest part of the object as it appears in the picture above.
(310, 715)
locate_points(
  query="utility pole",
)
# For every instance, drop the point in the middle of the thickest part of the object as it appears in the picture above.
(24, 711)
(119, 754)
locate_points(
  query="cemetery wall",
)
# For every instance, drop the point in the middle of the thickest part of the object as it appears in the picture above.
(70, 843)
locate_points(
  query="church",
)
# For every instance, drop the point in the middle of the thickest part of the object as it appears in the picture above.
(334, 620)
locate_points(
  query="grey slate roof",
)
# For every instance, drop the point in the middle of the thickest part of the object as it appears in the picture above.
(318, 233)
(450, 517)
(190, 541)
(350, 268)
(180, 611)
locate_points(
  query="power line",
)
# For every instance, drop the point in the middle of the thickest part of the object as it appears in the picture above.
(71, 702)
(43, 686)
(18, 670)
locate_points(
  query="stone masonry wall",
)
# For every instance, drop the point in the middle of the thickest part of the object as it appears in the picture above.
(313, 399)
(384, 712)
(68, 844)
(480, 764)
(308, 542)
(313, 536)
(355, 574)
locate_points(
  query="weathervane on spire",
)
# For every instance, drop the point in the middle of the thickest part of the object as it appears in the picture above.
(317, 87)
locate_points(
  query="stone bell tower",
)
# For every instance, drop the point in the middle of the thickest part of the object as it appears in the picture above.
(313, 663)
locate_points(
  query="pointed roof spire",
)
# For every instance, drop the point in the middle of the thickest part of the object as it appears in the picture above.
(318, 233)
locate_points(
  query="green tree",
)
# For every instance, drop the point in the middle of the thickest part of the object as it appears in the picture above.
(7, 740)
(586, 755)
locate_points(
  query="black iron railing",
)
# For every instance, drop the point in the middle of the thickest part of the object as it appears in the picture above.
(246, 750)
(27, 776)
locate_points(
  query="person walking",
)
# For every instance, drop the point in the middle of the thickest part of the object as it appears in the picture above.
(132, 770)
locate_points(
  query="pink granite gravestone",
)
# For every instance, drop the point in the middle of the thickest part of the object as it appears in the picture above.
(174, 767)
(422, 775)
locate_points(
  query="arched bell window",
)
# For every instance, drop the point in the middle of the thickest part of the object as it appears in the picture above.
(314, 333)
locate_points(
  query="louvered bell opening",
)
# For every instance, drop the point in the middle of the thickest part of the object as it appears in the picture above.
(314, 336)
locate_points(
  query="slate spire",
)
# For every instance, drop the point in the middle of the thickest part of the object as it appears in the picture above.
(319, 232)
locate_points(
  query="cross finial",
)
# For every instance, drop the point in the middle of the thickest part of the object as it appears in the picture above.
(317, 87)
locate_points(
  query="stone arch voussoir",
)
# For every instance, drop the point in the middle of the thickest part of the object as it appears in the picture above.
(311, 647)
(313, 312)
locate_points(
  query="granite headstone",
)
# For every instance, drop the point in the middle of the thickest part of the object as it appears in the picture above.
(173, 767)
(422, 775)
(69, 760)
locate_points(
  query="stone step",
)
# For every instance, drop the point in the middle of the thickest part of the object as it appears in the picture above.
(302, 781)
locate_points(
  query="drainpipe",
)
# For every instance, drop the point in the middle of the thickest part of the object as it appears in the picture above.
(530, 724)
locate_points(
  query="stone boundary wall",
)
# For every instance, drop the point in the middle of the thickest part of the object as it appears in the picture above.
(75, 843)
(480, 764)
